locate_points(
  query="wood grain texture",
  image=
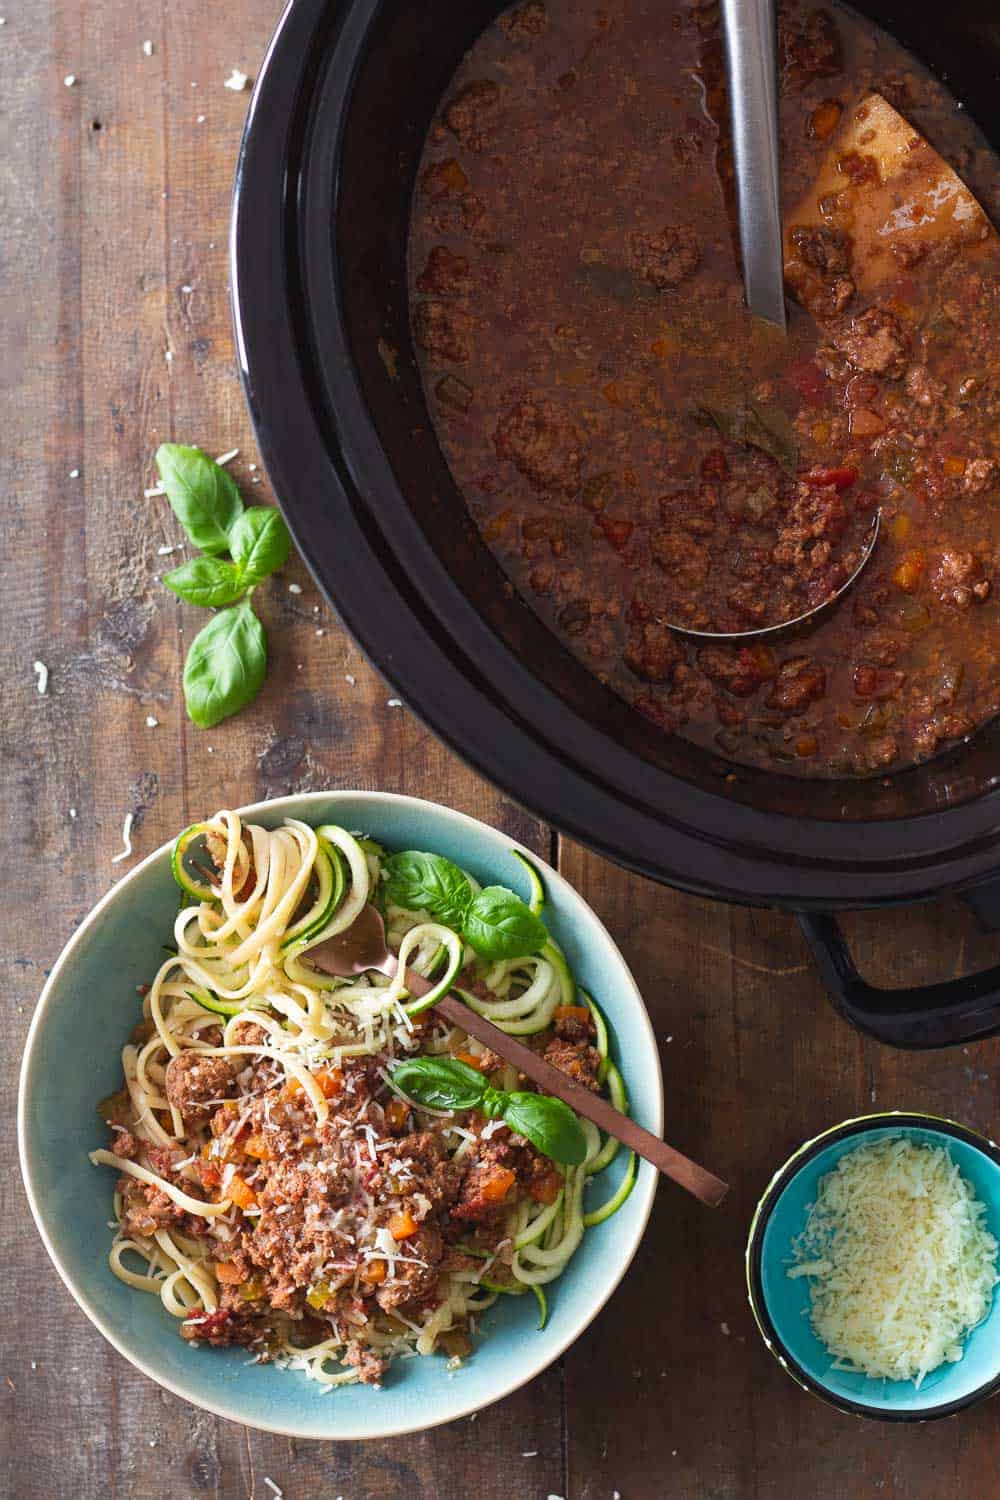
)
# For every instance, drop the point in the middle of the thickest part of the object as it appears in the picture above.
(112, 229)
(115, 213)
(755, 1062)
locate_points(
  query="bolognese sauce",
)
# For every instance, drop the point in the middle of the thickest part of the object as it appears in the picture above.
(639, 453)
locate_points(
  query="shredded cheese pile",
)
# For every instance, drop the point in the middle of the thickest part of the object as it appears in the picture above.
(899, 1261)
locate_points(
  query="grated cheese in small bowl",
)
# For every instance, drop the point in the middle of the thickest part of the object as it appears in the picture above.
(900, 1264)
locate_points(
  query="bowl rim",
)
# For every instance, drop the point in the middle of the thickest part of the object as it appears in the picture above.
(886, 1120)
(230, 1410)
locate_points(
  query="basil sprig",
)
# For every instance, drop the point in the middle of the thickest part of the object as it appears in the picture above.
(227, 661)
(445, 1083)
(495, 922)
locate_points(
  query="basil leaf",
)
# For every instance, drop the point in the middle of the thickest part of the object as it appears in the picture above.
(498, 924)
(440, 1082)
(753, 427)
(770, 430)
(225, 666)
(730, 421)
(207, 581)
(259, 542)
(548, 1124)
(428, 882)
(203, 497)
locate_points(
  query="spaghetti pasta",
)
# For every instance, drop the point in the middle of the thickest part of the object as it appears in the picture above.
(278, 1189)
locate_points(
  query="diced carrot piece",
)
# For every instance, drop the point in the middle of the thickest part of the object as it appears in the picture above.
(498, 1185)
(374, 1272)
(257, 1146)
(241, 1193)
(474, 1060)
(227, 1273)
(331, 1082)
(402, 1225)
(908, 573)
(397, 1113)
(573, 1013)
(954, 467)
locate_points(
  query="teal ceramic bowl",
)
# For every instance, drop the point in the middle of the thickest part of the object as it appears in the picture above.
(72, 1059)
(780, 1303)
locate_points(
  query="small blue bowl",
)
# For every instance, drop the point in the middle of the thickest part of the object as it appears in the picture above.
(780, 1303)
(73, 1058)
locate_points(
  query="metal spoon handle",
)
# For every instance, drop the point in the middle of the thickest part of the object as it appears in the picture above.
(752, 69)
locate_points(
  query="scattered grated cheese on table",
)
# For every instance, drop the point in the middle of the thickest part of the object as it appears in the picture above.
(126, 839)
(236, 81)
(41, 671)
(900, 1264)
(272, 1486)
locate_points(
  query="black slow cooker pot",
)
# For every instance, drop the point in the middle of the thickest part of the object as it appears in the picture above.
(323, 188)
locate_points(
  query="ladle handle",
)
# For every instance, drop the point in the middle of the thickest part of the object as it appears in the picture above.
(752, 69)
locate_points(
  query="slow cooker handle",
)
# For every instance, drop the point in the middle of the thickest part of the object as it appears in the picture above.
(929, 1015)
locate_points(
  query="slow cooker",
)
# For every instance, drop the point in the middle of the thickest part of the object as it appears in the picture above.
(325, 176)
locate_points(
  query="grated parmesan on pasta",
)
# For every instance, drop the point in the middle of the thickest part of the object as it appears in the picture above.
(900, 1264)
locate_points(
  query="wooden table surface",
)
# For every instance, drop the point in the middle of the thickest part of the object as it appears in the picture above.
(115, 197)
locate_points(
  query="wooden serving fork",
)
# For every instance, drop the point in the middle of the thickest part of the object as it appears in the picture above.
(362, 947)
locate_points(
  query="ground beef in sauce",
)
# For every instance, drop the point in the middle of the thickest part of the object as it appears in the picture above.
(323, 1201)
(540, 440)
(195, 1083)
(663, 259)
(573, 1055)
(608, 318)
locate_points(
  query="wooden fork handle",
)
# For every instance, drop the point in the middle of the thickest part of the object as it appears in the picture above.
(707, 1188)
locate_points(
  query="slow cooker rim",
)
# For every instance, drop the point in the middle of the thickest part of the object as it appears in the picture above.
(913, 858)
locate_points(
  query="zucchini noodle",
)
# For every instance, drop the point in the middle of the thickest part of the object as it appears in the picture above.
(241, 987)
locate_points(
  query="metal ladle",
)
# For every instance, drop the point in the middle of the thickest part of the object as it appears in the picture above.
(750, 35)
(763, 630)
